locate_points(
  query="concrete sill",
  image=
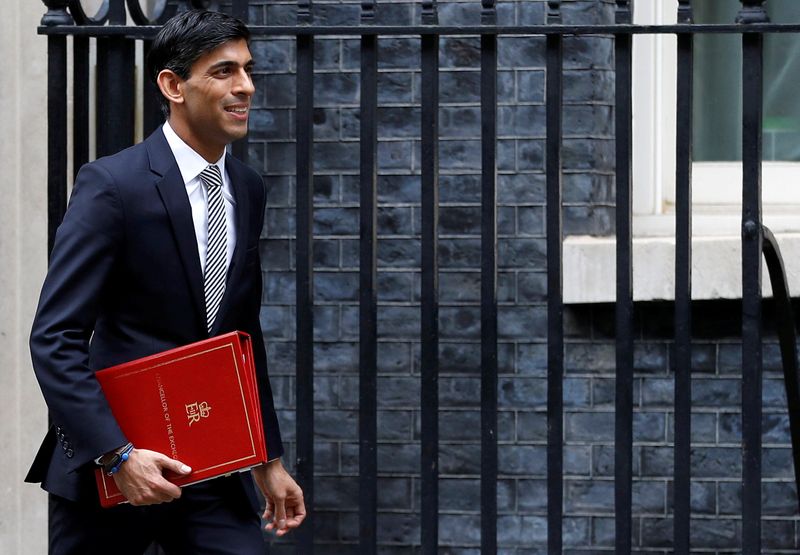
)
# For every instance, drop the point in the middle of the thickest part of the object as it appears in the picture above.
(590, 263)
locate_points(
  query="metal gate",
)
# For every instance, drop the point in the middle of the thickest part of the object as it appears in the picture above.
(114, 126)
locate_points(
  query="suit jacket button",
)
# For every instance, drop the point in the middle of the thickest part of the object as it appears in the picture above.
(69, 453)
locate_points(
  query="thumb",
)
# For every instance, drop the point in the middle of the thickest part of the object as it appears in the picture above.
(174, 465)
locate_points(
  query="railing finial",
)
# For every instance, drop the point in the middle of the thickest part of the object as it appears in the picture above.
(685, 13)
(367, 11)
(304, 11)
(753, 11)
(624, 13)
(554, 12)
(56, 13)
(489, 12)
(430, 12)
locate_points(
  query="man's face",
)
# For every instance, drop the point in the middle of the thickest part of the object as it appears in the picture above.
(217, 96)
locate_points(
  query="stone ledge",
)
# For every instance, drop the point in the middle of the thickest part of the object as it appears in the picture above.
(590, 268)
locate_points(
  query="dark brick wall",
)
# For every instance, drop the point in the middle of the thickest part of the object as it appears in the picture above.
(589, 385)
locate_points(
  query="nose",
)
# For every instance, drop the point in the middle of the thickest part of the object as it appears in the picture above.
(243, 84)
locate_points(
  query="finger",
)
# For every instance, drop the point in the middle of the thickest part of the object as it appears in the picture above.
(280, 512)
(174, 465)
(269, 511)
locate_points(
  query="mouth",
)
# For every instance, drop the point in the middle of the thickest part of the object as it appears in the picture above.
(238, 111)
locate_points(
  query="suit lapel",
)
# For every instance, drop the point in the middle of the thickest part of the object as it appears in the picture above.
(172, 189)
(241, 196)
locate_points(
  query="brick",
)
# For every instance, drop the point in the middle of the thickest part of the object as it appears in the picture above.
(273, 55)
(577, 392)
(398, 528)
(463, 494)
(708, 462)
(395, 189)
(459, 86)
(715, 393)
(588, 220)
(521, 52)
(460, 321)
(588, 53)
(522, 322)
(597, 357)
(395, 221)
(704, 428)
(459, 220)
(459, 122)
(649, 426)
(460, 425)
(517, 392)
(527, 253)
(522, 460)
(531, 287)
(586, 496)
(520, 188)
(577, 460)
(588, 188)
(532, 359)
(395, 87)
(396, 286)
(458, 459)
(459, 529)
(399, 253)
(331, 286)
(522, 530)
(326, 392)
(460, 188)
(459, 391)
(459, 155)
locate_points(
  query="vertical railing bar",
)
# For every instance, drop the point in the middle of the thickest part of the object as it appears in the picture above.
(305, 278)
(80, 102)
(240, 10)
(623, 436)
(56, 139)
(683, 290)
(489, 365)
(429, 394)
(115, 77)
(368, 301)
(151, 108)
(555, 288)
(56, 135)
(752, 244)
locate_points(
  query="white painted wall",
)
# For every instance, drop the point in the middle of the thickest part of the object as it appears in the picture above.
(23, 252)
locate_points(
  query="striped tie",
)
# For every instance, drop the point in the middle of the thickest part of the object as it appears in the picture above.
(217, 252)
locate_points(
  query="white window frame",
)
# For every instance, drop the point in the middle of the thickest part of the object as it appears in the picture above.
(589, 262)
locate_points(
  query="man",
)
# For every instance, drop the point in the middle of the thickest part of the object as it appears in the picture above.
(158, 248)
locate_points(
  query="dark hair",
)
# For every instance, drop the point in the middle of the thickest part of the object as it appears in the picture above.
(186, 37)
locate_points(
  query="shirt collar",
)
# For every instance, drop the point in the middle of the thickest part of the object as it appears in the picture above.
(190, 163)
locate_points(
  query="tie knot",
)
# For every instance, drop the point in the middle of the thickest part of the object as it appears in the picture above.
(211, 176)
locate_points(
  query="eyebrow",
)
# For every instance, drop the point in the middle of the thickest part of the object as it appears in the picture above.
(228, 63)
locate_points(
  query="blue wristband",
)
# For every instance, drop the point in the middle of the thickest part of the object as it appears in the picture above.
(123, 456)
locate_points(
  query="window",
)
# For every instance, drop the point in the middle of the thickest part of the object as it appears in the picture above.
(590, 272)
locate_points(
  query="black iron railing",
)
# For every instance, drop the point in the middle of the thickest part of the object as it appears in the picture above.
(115, 130)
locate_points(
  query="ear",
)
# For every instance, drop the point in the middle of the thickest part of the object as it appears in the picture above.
(171, 86)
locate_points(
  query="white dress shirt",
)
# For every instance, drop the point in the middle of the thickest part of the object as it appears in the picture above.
(190, 164)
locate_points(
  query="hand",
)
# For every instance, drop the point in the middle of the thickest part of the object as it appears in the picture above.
(141, 478)
(285, 507)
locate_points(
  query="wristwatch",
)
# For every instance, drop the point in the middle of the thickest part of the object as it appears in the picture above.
(112, 460)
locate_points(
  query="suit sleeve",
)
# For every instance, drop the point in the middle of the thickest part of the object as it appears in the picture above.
(86, 245)
(270, 419)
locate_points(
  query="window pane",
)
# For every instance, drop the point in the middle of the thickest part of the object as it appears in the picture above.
(718, 89)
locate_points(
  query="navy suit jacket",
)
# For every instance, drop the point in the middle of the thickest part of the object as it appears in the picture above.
(125, 281)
